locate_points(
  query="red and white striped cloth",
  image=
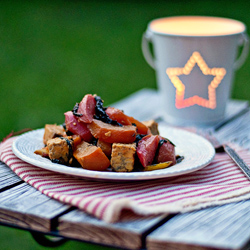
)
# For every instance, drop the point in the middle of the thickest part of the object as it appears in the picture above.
(218, 183)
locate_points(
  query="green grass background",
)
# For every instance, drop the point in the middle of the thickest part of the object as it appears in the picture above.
(54, 52)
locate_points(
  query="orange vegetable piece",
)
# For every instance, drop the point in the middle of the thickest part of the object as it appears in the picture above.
(110, 133)
(119, 116)
(44, 152)
(91, 157)
(105, 147)
(76, 139)
(141, 128)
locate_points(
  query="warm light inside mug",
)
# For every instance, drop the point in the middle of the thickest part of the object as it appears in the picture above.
(197, 26)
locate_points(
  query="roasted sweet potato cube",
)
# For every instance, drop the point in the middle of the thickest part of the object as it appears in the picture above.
(110, 133)
(91, 157)
(51, 131)
(118, 115)
(105, 147)
(123, 157)
(141, 128)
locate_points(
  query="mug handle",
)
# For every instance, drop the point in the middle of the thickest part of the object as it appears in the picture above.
(244, 53)
(146, 39)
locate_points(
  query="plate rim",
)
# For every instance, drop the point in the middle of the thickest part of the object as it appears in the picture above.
(111, 176)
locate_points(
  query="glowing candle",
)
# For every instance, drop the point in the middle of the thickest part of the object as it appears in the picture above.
(197, 26)
(195, 58)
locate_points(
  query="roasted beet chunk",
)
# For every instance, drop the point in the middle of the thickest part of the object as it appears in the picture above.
(166, 151)
(75, 127)
(86, 109)
(147, 148)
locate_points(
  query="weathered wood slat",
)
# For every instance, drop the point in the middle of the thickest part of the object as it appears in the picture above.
(5, 170)
(128, 233)
(7, 177)
(26, 207)
(8, 182)
(224, 227)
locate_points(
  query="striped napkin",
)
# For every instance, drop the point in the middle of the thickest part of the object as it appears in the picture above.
(218, 183)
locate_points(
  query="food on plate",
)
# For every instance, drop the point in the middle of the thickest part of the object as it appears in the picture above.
(91, 157)
(110, 133)
(152, 126)
(119, 116)
(146, 149)
(74, 126)
(158, 166)
(123, 157)
(51, 131)
(105, 147)
(166, 151)
(60, 149)
(105, 138)
(86, 109)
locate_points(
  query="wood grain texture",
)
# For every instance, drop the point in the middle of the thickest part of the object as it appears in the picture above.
(128, 233)
(224, 227)
(7, 177)
(26, 207)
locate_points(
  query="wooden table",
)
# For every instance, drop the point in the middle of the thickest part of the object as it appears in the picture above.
(220, 227)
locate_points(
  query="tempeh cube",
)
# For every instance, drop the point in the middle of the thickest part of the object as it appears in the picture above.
(123, 157)
(51, 131)
(60, 149)
(153, 126)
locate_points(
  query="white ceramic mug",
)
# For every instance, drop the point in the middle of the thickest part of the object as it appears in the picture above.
(195, 58)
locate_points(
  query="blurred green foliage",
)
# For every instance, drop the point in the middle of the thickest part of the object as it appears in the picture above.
(54, 52)
(15, 239)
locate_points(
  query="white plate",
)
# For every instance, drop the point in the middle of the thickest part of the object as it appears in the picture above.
(197, 152)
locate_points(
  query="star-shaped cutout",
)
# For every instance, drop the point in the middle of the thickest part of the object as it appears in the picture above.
(174, 73)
